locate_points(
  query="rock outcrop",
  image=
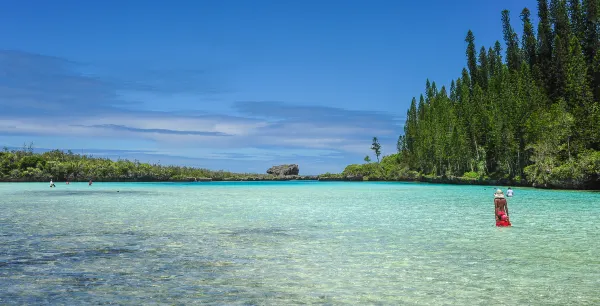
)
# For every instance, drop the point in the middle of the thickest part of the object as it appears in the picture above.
(284, 170)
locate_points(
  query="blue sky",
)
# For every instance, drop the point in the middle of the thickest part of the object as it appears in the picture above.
(233, 85)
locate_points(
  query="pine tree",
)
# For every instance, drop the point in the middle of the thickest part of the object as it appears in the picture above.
(577, 20)
(376, 147)
(592, 43)
(545, 45)
(578, 96)
(511, 39)
(577, 91)
(591, 29)
(453, 94)
(560, 57)
(410, 128)
(492, 62)
(559, 71)
(483, 70)
(471, 56)
(498, 57)
(529, 40)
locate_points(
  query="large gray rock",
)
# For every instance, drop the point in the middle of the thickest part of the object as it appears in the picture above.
(284, 170)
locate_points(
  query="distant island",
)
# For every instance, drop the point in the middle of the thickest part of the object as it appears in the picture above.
(23, 165)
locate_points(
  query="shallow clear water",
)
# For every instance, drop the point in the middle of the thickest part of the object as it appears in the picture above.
(282, 243)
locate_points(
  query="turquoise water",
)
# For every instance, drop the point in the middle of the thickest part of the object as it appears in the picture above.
(284, 243)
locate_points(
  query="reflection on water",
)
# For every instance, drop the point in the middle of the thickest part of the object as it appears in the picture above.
(295, 243)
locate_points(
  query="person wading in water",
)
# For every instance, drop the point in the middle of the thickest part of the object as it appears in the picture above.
(501, 209)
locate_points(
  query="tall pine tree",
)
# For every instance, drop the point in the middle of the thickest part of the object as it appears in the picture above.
(529, 42)
(471, 56)
(544, 39)
(511, 40)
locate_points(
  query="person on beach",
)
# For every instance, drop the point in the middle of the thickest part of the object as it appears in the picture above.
(509, 192)
(52, 184)
(501, 208)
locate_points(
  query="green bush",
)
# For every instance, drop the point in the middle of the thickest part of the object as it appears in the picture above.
(31, 161)
(471, 175)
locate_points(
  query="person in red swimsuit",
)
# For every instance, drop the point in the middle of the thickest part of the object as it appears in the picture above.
(501, 209)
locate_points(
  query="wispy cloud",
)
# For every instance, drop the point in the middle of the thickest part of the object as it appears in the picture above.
(320, 114)
(116, 127)
(45, 96)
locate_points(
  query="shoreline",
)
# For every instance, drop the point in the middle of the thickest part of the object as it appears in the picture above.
(26, 166)
(327, 178)
(469, 181)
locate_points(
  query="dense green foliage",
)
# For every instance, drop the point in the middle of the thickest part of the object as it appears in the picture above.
(532, 116)
(24, 165)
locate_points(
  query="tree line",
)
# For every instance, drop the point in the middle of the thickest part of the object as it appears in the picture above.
(525, 110)
(25, 165)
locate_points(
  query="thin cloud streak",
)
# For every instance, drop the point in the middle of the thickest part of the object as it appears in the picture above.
(155, 130)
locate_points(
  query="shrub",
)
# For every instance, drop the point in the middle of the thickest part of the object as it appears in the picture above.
(471, 175)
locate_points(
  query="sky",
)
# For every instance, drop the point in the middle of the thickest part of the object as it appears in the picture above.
(233, 85)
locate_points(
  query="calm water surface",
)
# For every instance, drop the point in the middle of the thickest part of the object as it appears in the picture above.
(283, 243)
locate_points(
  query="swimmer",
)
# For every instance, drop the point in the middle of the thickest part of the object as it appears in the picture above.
(500, 205)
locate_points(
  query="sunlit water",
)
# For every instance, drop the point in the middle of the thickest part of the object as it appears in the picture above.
(282, 243)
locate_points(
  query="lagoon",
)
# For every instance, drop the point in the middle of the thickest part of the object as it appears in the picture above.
(286, 243)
